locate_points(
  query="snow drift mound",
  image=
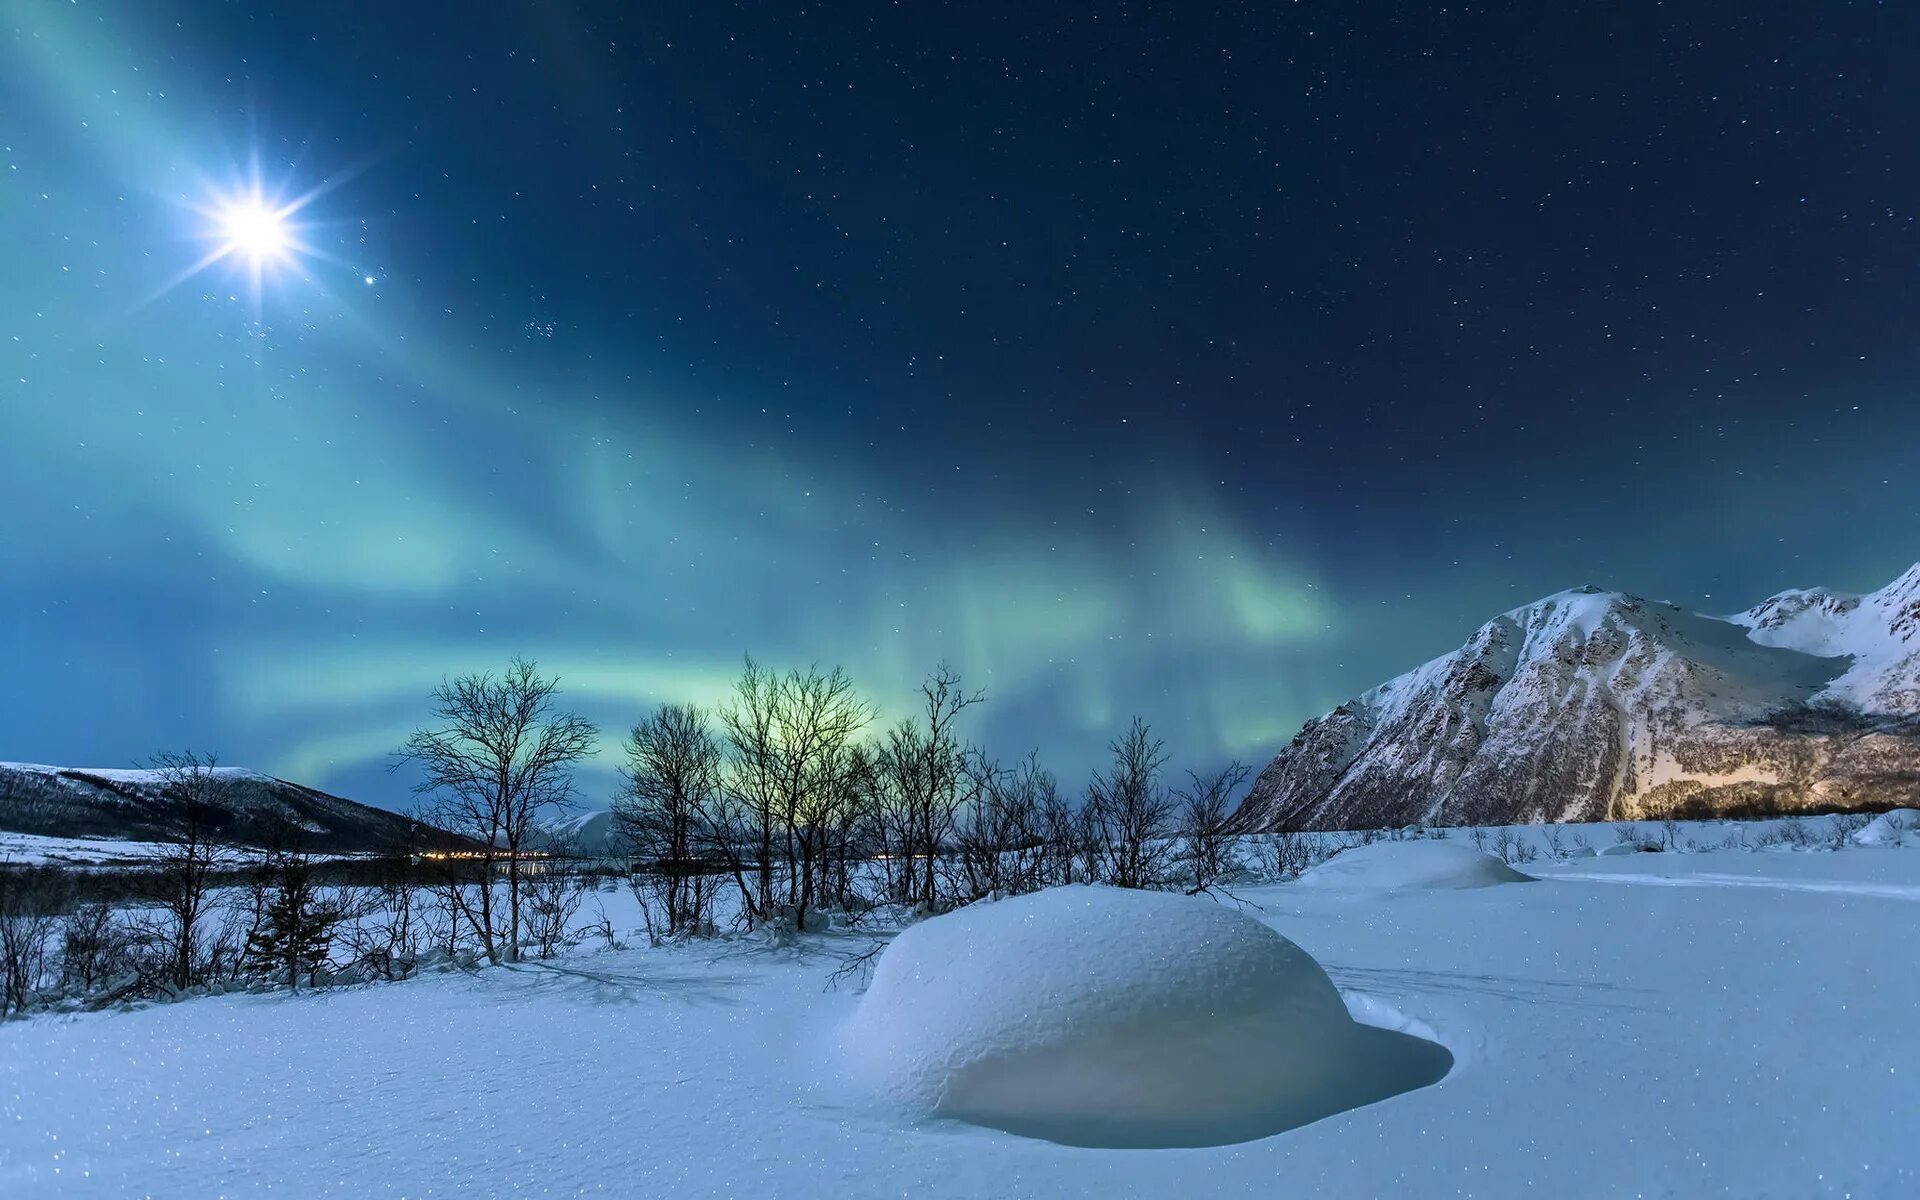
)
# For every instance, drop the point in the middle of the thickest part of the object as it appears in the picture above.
(1395, 866)
(1888, 828)
(1098, 1016)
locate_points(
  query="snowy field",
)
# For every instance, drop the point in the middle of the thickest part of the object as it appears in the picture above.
(1727, 1022)
(85, 853)
(33, 849)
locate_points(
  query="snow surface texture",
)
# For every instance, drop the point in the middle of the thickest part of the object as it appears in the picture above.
(1588, 1015)
(1097, 1016)
(1401, 866)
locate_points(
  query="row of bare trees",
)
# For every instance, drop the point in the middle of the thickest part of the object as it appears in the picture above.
(781, 799)
(208, 911)
(783, 808)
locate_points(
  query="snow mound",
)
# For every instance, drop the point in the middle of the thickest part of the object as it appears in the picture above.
(1888, 828)
(1396, 866)
(1099, 1016)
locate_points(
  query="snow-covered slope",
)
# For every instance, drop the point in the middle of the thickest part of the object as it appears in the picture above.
(1591, 705)
(71, 802)
(589, 833)
(1879, 632)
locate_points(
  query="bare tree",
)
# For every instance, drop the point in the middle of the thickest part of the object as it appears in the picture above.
(95, 949)
(1206, 805)
(1131, 812)
(387, 932)
(601, 926)
(922, 767)
(500, 754)
(999, 837)
(662, 818)
(789, 773)
(458, 876)
(31, 900)
(1845, 825)
(851, 837)
(553, 896)
(1512, 848)
(818, 719)
(192, 850)
(1556, 840)
(1062, 830)
(744, 820)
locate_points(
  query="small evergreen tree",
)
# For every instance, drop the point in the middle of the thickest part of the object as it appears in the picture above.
(298, 930)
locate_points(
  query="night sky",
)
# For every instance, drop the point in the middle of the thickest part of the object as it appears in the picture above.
(1213, 365)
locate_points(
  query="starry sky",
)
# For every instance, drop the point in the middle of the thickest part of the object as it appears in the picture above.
(1211, 364)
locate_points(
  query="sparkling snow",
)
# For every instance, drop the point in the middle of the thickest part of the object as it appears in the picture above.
(1716, 1024)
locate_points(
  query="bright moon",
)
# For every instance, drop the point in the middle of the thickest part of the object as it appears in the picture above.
(255, 230)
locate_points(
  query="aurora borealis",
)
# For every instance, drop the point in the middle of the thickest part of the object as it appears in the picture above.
(1213, 366)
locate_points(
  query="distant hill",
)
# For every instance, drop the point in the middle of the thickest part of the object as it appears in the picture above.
(87, 802)
(1592, 705)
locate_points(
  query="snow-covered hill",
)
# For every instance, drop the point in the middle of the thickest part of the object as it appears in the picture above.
(1595, 705)
(67, 802)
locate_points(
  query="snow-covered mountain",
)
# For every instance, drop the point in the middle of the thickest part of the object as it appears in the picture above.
(1595, 705)
(70, 802)
(1879, 632)
(588, 833)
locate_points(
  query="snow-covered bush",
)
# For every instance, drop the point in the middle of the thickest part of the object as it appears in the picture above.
(1790, 834)
(1634, 840)
(1841, 828)
(1279, 856)
(1888, 828)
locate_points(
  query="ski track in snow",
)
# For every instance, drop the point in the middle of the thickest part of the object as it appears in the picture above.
(1884, 891)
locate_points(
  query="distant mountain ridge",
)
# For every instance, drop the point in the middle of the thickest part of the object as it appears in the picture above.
(1595, 705)
(254, 808)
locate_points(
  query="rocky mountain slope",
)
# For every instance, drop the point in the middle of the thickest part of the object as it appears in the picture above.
(1594, 705)
(254, 808)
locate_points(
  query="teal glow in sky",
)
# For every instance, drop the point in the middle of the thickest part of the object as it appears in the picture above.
(1126, 380)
